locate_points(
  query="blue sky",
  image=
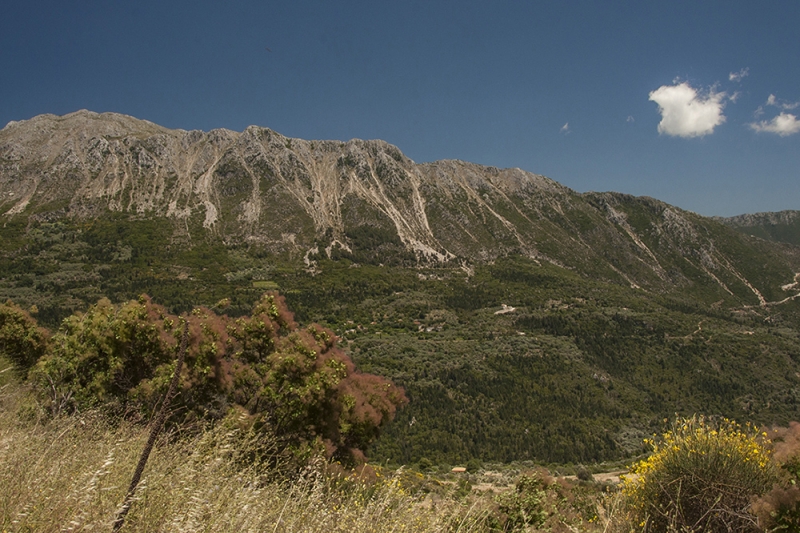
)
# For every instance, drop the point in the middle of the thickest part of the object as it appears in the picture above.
(691, 102)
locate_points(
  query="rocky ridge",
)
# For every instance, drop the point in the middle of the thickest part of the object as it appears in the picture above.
(783, 226)
(304, 198)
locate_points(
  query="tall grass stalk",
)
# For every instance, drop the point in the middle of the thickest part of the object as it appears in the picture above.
(155, 429)
(70, 474)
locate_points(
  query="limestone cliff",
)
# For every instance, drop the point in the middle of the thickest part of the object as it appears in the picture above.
(260, 188)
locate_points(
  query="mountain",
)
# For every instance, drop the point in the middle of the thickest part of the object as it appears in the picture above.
(526, 320)
(259, 188)
(783, 226)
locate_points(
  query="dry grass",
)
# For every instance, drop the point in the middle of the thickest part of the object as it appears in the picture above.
(71, 474)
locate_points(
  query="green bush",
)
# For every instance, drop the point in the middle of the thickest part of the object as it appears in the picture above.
(701, 476)
(21, 340)
(525, 505)
(540, 502)
(106, 355)
(584, 474)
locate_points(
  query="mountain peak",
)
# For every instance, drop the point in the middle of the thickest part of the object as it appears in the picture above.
(360, 198)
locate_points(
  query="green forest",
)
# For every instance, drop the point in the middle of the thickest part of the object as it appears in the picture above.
(579, 371)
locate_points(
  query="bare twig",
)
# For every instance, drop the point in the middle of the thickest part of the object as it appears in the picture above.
(158, 423)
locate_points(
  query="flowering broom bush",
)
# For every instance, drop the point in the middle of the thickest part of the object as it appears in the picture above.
(701, 476)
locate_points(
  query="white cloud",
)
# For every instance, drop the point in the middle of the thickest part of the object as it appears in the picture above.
(564, 129)
(786, 106)
(685, 113)
(737, 76)
(630, 119)
(784, 124)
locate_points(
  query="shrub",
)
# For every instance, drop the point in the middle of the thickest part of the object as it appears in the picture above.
(779, 509)
(289, 381)
(701, 476)
(21, 340)
(539, 502)
(584, 474)
(102, 356)
(525, 505)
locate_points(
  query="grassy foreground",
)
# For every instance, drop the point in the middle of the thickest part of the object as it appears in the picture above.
(71, 474)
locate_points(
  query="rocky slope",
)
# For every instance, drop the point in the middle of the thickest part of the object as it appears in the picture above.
(783, 226)
(308, 198)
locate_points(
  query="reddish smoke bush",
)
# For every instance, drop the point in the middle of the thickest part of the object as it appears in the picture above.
(779, 509)
(785, 442)
(294, 382)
